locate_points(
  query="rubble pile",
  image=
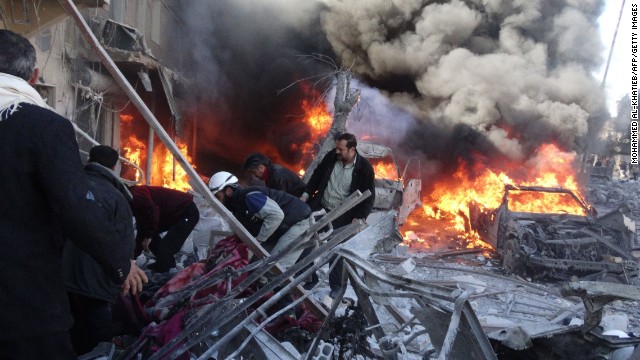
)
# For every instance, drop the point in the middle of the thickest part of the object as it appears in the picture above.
(607, 195)
(406, 304)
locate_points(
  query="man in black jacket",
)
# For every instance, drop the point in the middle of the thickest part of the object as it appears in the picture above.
(339, 174)
(46, 196)
(90, 289)
(273, 175)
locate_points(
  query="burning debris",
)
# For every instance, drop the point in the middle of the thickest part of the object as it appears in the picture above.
(446, 208)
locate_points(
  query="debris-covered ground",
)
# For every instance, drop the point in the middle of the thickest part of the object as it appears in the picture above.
(407, 303)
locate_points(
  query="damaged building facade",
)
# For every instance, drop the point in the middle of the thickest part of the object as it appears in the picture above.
(140, 38)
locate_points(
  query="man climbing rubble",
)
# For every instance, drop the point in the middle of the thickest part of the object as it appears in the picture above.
(272, 216)
(158, 209)
(339, 174)
(46, 197)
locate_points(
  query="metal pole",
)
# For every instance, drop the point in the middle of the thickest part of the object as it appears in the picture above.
(149, 157)
(613, 43)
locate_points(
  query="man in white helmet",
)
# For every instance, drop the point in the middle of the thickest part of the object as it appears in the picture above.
(272, 216)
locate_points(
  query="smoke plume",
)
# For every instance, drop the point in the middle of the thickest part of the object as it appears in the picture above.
(492, 76)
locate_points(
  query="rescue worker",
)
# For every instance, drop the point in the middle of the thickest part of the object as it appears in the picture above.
(274, 217)
(273, 175)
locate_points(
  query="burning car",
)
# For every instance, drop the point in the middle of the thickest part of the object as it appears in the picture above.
(392, 191)
(567, 239)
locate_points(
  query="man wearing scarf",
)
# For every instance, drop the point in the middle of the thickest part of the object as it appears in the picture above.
(45, 198)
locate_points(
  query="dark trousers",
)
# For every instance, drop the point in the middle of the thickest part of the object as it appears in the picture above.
(166, 247)
(335, 281)
(56, 346)
(92, 322)
(335, 274)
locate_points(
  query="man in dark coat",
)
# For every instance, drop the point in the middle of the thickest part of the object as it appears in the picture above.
(339, 174)
(273, 175)
(158, 209)
(46, 197)
(91, 291)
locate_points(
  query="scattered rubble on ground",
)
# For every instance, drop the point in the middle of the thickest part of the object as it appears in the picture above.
(406, 304)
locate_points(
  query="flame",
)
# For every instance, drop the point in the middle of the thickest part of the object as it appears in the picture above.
(448, 201)
(165, 171)
(318, 120)
(385, 170)
(133, 153)
(317, 117)
(173, 176)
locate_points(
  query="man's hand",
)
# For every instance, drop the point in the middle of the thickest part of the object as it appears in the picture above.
(134, 280)
(145, 244)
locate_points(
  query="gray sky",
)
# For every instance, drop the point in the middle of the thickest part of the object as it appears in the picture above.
(619, 77)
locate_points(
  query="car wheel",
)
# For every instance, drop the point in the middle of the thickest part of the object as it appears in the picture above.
(511, 259)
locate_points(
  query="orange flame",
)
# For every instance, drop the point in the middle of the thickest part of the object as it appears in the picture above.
(317, 117)
(449, 199)
(172, 174)
(318, 121)
(165, 171)
(385, 170)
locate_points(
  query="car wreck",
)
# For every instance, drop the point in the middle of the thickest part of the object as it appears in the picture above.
(393, 192)
(570, 240)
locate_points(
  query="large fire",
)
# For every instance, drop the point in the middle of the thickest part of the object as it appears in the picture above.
(164, 169)
(445, 209)
(318, 121)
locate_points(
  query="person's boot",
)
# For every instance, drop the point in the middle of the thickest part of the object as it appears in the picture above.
(310, 283)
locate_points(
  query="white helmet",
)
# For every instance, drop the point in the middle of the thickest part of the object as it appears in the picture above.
(220, 180)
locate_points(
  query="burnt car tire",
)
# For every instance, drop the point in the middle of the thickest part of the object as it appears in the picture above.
(512, 261)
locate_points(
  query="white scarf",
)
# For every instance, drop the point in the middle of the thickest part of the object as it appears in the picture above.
(14, 91)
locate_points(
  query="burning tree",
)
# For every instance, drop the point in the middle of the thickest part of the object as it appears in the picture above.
(344, 101)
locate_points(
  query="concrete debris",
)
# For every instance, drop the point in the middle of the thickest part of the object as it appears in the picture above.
(405, 267)
(401, 306)
(468, 282)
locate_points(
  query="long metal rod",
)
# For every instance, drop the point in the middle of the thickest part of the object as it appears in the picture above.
(613, 43)
(149, 157)
(195, 180)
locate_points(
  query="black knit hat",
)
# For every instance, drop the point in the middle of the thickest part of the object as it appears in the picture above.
(254, 159)
(104, 155)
